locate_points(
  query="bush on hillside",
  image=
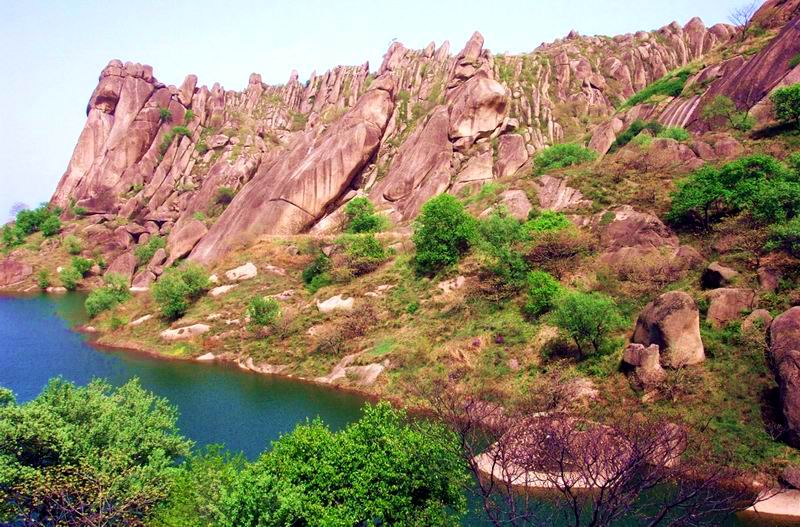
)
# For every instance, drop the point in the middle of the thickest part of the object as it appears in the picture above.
(114, 292)
(317, 274)
(224, 195)
(364, 253)
(721, 107)
(43, 279)
(543, 290)
(178, 288)
(548, 220)
(786, 236)
(263, 311)
(443, 232)
(786, 102)
(670, 85)
(361, 216)
(144, 253)
(72, 244)
(81, 265)
(70, 278)
(635, 129)
(588, 319)
(562, 156)
(499, 237)
(677, 133)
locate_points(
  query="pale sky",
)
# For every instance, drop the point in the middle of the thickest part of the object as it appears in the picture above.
(51, 52)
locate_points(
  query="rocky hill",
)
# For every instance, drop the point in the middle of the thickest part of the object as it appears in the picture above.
(254, 186)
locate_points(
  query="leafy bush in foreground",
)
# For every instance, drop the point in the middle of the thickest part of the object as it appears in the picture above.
(786, 102)
(175, 291)
(562, 156)
(361, 216)
(364, 253)
(442, 233)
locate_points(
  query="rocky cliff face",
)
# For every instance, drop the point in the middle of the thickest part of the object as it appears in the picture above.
(424, 123)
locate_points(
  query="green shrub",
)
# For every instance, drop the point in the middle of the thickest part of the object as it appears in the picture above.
(361, 216)
(29, 221)
(794, 61)
(144, 253)
(562, 156)
(722, 107)
(51, 226)
(543, 290)
(82, 265)
(164, 114)
(786, 236)
(786, 102)
(224, 195)
(499, 235)
(11, 236)
(587, 318)
(635, 129)
(676, 133)
(316, 275)
(759, 185)
(443, 232)
(364, 253)
(383, 470)
(178, 288)
(115, 291)
(670, 85)
(70, 278)
(188, 116)
(170, 136)
(643, 140)
(548, 220)
(73, 244)
(263, 311)
(43, 279)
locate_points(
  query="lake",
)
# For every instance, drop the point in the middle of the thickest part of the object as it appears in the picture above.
(217, 403)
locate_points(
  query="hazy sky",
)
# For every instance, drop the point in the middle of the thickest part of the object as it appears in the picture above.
(51, 52)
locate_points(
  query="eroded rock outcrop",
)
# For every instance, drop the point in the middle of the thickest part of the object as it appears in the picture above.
(13, 271)
(785, 355)
(672, 322)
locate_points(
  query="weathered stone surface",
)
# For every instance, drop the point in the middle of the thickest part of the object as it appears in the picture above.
(517, 203)
(511, 155)
(141, 320)
(221, 290)
(646, 363)
(768, 278)
(243, 272)
(672, 321)
(476, 109)
(336, 303)
(785, 355)
(143, 280)
(183, 239)
(186, 332)
(759, 318)
(554, 194)
(123, 265)
(420, 170)
(475, 173)
(727, 305)
(291, 194)
(13, 271)
(717, 275)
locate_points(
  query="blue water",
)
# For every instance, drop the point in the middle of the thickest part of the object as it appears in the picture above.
(217, 404)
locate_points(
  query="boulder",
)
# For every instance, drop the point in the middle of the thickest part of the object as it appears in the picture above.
(141, 320)
(554, 194)
(717, 275)
(727, 305)
(517, 203)
(186, 332)
(221, 290)
(785, 358)
(158, 259)
(448, 286)
(123, 265)
(336, 303)
(476, 109)
(475, 173)
(768, 279)
(183, 239)
(646, 364)
(672, 321)
(142, 281)
(511, 155)
(13, 271)
(243, 272)
(760, 318)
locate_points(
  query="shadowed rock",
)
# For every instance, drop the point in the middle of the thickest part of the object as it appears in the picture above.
(672, 321)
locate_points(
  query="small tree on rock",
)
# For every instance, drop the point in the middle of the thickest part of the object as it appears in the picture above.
(786, 102)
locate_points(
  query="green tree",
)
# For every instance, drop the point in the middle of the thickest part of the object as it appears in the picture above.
(144, 252)
(361, 216)
(177, 289)
(722, 107)
(443, 232)
(364, 252)
(95, 451)
(562, 156)
(587, 318)
(786, 102)
(543, 290)
(70, 278)
(380, 470)
(499, 235)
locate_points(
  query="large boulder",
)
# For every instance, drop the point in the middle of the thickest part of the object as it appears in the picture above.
(123, 265)
(517, 203)
(727, 304)
(511, 155)
(554, 194)
(672, 321)
(183, 239)
(291, 194)
(13, 271)
(185, 332)
(243, 272)
(476, 109)
(421, 168)
(785, 355)
(475, 173)
(717, 275)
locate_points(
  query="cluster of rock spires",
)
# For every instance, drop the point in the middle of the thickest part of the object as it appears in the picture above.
(425, 123)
